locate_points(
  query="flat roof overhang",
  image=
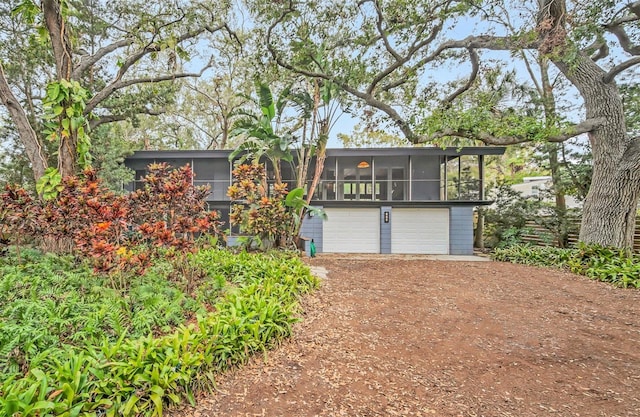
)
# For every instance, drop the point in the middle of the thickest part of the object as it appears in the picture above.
(360, 152)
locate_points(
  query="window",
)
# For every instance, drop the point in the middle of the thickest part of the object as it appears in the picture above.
(355, 179)
(535, 190)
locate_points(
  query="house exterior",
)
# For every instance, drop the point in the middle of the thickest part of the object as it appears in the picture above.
(387, 200)
(539, 187)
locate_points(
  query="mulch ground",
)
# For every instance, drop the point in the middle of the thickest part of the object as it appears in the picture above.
(415, 337)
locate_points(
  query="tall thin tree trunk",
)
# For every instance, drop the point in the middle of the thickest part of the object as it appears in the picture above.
(551, 150)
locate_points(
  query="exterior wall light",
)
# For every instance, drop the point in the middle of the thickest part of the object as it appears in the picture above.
(363, 164)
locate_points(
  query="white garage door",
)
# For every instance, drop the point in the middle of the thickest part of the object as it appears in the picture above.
(420, 231)
(351, 231)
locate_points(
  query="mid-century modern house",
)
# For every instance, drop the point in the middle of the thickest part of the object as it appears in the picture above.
(387, 200)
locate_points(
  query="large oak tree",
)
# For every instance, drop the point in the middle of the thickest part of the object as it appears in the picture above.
(397, 57)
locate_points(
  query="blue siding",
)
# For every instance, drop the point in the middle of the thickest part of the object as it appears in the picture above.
(312, 229)
(385, 231)
(461, 231)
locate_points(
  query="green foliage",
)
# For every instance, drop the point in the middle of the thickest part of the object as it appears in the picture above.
(261, 132)
(497, 106)
(510, 236)
(365, 136)
(50, 184)
(607, 264)
(51, 301)
(574, 167)
(505, 219)
(533, 255)
(28, 10)
(296, 202)
(14, 164)
(138, 77)
(612, 265)
(64, 117)
(109, 151)
(126, 375)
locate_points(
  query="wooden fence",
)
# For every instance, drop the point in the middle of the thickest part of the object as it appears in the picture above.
(537, 234)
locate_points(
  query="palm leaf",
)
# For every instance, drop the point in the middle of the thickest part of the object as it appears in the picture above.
(267, 105)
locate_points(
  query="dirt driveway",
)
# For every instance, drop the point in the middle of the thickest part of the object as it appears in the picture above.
(402, 337)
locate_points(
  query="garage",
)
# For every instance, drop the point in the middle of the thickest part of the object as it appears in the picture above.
(353, 230)
(415, 230)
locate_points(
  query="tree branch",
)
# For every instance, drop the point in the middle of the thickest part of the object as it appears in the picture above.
(624, 40)
(496, 43)
(570, 132)
(152, 47)
(87, 61)
(111, 118)
(475, 67)
(111, 88)
(197, 125)
(409, 54)
(532, 75)
(383, 34)
(634, 7)
(601, 49)
(616, 28)
(117, 82)
(470, 43)
(621, 67)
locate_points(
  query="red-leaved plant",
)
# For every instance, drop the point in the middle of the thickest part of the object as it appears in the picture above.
(117, 233)
(259, 213)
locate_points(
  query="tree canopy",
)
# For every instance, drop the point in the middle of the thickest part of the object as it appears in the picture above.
(95, 62)
(397, 56)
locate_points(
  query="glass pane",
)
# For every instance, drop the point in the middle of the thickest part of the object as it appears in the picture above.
(453, 179)
(382, 183)
(397, 184)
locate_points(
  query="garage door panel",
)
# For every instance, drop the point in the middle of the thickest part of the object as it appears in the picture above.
(351, 231)
(423, 231)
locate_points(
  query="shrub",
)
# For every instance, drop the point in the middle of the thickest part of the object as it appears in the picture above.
(605, 264)
(116, 233)
(259, 213)
(505, 219)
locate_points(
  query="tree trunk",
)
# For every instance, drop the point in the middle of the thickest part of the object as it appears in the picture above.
(551, 149)
(609, 213)
(610, 207)
(54, 21)
(67, 156)
(59, 39)
(562, 232)
(28, 136)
